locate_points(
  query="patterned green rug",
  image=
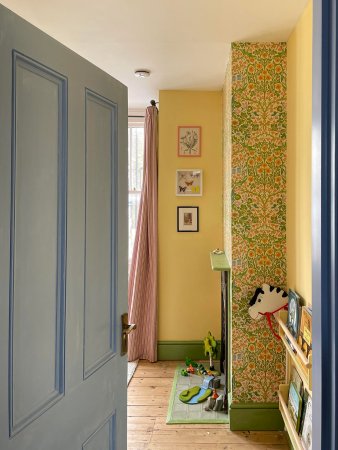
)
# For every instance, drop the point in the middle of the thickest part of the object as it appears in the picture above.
(179, 412)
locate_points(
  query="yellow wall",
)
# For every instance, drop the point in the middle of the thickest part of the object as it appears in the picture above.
(299, 98)
(189, 292)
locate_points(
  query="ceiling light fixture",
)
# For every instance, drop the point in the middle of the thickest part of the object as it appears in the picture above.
(142, 73)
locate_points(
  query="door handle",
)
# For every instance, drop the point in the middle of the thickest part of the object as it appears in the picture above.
(131, 327)
(126, 328)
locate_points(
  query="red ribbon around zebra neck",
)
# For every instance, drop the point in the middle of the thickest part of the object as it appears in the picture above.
(268, 318)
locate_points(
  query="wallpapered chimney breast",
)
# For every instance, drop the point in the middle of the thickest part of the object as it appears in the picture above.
(255, 208)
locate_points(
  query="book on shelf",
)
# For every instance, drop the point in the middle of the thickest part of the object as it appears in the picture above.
(295, 405)
(305, 398)
(290, 344)
(293, 320)
(305, 331)
(306, 435)
(296, 379)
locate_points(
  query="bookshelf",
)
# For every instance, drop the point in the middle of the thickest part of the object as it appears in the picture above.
(283, 407)
(296, 357)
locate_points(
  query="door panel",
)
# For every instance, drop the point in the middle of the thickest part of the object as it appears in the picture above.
(37, 241)
(63, 246)
(100, 258)
(103, 438)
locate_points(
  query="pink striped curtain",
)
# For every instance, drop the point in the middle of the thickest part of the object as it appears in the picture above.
(142, 288)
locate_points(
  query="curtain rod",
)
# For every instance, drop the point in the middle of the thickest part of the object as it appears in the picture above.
(152, 102)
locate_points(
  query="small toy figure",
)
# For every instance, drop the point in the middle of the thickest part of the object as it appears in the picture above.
(201, 370)
(190, 362)
(190, 369)
(210, 349)
(184, 373)
(214, 394)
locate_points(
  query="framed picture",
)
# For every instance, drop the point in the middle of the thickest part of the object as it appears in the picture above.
(189, 182)
(187, 218)
(189, 141)
(293, 319)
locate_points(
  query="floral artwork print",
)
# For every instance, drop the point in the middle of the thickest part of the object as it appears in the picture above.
(258, 212)
(189, 141)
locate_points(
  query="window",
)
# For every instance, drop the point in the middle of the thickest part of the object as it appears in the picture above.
(135, 175)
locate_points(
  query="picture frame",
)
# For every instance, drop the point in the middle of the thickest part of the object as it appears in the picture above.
(189, 140)
(187, 219)
(189, 182)
(294, 309)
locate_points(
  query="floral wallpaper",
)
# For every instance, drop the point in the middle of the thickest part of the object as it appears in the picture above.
(258, 210)
(227, 160)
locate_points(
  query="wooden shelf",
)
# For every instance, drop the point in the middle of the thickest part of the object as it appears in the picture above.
(301, 362)
(283, 401)
(281, 319)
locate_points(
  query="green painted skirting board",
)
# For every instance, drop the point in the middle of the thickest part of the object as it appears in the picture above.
(171, 421)
(255, 417)
(179, 350)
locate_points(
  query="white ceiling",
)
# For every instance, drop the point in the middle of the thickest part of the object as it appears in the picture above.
(184, 43)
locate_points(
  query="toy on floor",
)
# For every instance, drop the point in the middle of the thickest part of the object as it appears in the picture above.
(190, 362)
(190, 369)
(210, 349)
(214, 394)
(216, 383)
(210, 404)
(219, 404)
(215, 404)
(266, 301)
(194, 395)
(184, 373)
(214, 373)
(201, 370)
(211, 382)
(186, 395)
(208, 382)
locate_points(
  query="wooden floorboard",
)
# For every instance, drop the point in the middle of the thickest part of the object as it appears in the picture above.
(148, 397)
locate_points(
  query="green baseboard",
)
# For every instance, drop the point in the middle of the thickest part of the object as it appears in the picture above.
(255, 417)
(179, 350)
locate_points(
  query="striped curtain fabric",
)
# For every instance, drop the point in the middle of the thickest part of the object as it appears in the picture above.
(142, 288)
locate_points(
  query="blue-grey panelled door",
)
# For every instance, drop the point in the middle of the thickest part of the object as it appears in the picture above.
(63, 246)
(325, 224)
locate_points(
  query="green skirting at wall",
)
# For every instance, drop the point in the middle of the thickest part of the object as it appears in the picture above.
(179, 350)
(255, 417)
